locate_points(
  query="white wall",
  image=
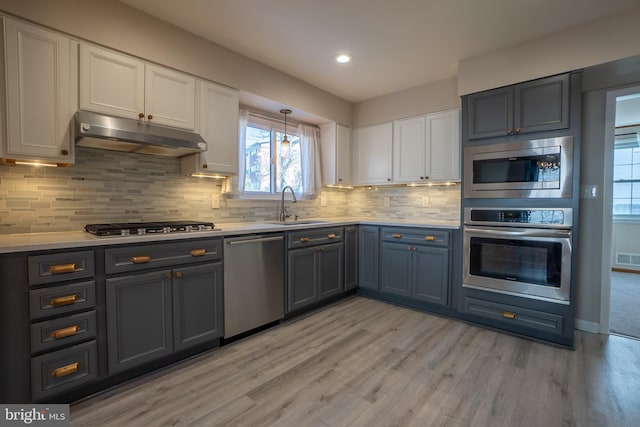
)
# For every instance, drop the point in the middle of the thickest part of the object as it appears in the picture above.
(626, 239)
(118, 26)
(607, 39)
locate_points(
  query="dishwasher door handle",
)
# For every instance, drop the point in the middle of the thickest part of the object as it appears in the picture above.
(258, 240)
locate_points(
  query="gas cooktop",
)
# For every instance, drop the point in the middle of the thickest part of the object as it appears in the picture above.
(142, 228)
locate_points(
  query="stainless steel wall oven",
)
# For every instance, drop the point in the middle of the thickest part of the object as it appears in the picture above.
(522, 252)
(541, 168)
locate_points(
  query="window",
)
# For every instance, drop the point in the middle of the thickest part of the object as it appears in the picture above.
(626, 180)
(270, 165)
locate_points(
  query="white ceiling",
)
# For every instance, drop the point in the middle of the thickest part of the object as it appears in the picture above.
(395, 44)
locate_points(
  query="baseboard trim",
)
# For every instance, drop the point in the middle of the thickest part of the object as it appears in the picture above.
(585, 325)
(625, 270)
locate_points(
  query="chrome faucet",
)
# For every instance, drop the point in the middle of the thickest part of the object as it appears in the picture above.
(283, 211)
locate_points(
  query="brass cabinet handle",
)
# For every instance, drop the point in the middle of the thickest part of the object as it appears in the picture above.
(150, 117)
(396, 236)
(141, 115)
(66, 370)
(508, 315)
(167, 275)
(517, 130)
(62, 268)
(304, 239)
(509, 131)
(140, 259)
(65, 332)
(331, 236)
(198, 252)
(178, 274)
(66, 300)
(430, 238)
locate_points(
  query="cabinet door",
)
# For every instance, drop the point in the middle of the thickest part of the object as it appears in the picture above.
(350, 257)
(302, 273)
(335, 149)
(40, 81)
(542, 105)
(111, 83)
(139, 321)
(395, 270)
(343, 155)
(431, 274)
(443, 146)
(490, 113)
(219, 128)
(372, 152)
(197, 305)
(368, 257)
(409, 150)
(169, 97)
(330, 270)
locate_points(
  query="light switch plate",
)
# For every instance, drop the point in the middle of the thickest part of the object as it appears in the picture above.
(589, 191)
(215, 201)
(387, 202)
(323, 201)
(425, 201)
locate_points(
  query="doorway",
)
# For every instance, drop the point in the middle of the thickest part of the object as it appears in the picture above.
(624, 179)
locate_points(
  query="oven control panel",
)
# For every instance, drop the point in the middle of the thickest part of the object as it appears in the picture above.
(552, 217)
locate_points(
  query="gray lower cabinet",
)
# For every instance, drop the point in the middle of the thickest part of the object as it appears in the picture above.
(151, 315)
(368, 241)
(415, 264)
(535, 106)
(350, 257)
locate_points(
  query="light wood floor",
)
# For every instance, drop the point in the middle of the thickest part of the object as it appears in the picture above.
(365, 363)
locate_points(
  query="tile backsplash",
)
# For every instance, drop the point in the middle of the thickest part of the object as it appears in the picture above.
(108, 186)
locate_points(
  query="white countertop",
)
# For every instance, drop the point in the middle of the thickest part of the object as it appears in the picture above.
(77, 239)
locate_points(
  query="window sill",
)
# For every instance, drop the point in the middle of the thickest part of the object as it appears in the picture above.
(626, 219)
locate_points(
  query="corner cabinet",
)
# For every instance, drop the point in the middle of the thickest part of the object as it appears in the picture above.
(372, 149)
(336, 148)
(535, 106)
(427, 148)
(124, 86)
(219, 107)
(41, 82)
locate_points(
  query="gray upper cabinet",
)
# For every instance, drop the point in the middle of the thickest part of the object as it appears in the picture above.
(534, 106)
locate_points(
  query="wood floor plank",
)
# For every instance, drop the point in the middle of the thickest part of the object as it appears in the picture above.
(361, 362)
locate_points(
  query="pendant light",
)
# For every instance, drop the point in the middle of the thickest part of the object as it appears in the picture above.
(285, 111)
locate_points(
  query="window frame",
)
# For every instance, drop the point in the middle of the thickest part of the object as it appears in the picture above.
(625, 218)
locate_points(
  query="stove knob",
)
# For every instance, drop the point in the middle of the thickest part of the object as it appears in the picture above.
(200, 227)
(124, 232)
(166, 230)
(188, 228)
(142, 231)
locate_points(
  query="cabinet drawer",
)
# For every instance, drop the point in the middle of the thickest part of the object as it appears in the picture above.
(141, 257)
(416, 236)
(63, 370)
(313, 237)
(55, 333)
(516, 316)
(62, 299)
(58, 267)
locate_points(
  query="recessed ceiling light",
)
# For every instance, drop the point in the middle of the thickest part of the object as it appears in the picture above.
(343, 59)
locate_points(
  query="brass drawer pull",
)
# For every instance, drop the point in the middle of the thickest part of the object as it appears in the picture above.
(65, 332)
(66, 370)
(66, 300)
(178, 274)
(62, 268)
(508, 315)
(430, 238)
(304, 239)
(331, 236)
(141, 259)
(198, 252)
(396, 236)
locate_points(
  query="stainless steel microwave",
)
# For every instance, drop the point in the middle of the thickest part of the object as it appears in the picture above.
(541, 168)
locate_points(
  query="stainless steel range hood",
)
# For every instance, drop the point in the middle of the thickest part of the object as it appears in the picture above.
(114, 133)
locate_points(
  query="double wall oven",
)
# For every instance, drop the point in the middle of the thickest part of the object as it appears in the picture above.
(511, 249)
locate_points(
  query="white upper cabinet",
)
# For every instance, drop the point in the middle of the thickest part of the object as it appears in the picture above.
(372, 154)
(41, 84)
(117, 84)
(443, 141)
(335, 150)
(427, 148)
(218, 107)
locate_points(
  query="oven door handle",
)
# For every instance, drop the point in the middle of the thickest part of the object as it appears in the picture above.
(518, 232)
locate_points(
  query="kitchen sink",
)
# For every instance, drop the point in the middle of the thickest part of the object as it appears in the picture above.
(299, 222)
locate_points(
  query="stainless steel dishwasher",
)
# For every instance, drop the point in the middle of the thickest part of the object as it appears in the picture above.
(253, 282)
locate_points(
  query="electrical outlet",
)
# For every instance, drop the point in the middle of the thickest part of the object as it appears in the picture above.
(215, 201)
(387, 202)
(323, 201)
(425, 201)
